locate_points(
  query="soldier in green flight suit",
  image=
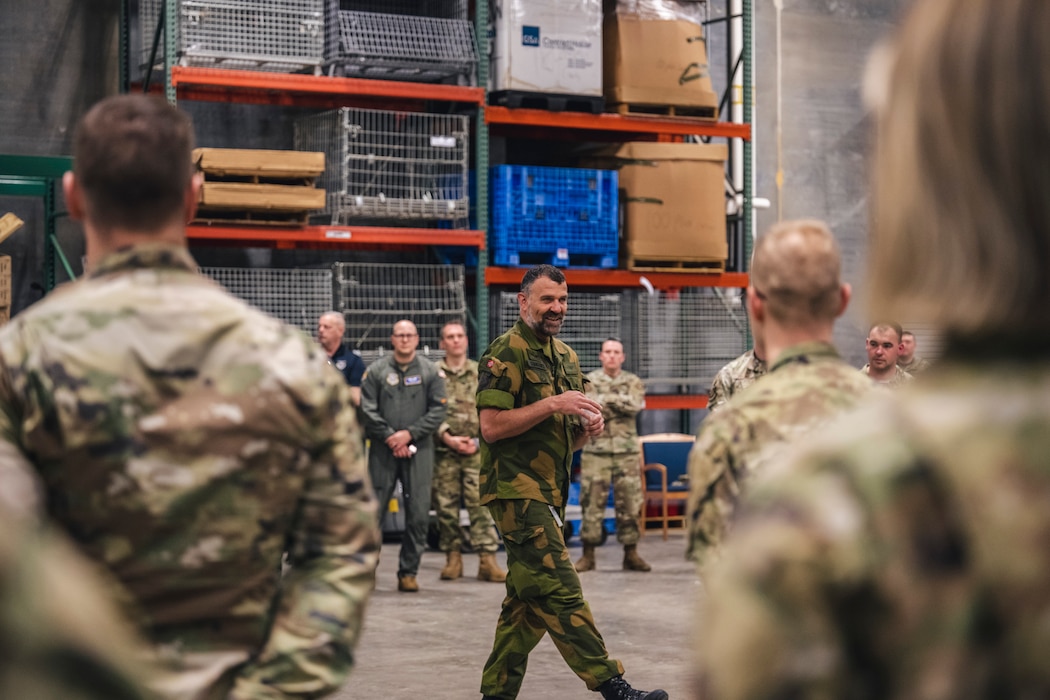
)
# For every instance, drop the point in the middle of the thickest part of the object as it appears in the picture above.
(534, 414)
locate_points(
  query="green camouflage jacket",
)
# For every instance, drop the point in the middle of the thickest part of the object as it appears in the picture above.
(515, 371)
(902, 554)
(187, 441)
(462, 417)
(807, 386)
(622, 397)
(900, 377)
(733, 378)
(917, 366)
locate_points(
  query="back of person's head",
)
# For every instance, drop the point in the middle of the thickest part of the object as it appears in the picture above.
(796, 273)
(133, 162)
(548, 271)
(961, 220)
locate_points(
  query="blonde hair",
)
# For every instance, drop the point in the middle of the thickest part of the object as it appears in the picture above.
(796, 272)
(961, 222)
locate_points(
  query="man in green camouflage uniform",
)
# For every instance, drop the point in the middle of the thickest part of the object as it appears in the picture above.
(613, 457)
(63, 639)
(534, 414)
(187, 441)
(457, 464)
(795, 296)
(884, 346)
(907, 360)
(903, 554)
(403, 400)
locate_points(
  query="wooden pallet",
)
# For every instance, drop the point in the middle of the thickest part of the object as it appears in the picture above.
(701, 265)
(246, 217)
(550, 102)
(257, 186)
(683, 112)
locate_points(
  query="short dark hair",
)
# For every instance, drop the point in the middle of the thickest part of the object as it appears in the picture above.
(133, 161)
(549, 271)
(888, 324)
(451, 322)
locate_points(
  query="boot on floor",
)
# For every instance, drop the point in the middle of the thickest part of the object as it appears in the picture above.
(488, 569)
(586, 562)
(631, 560)
(616, 688)
(453, 567)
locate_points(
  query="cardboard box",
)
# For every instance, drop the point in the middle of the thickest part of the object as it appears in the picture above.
(5, 314)
(5, 282)
(656, 62)
(673, 200)
(552, 46)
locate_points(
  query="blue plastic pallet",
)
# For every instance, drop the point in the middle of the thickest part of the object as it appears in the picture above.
(562, 216)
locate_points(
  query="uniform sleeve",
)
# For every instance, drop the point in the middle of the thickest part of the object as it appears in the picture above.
(437, 406)
(713, 490)
(332, 555)
(375, 426)
(719, 392)
(499, 380)
(20, 489)
(355, 369)
(629, 401)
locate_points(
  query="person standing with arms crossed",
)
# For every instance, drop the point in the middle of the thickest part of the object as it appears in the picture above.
(403, 399)
(534, 414)
(613, 457)
(457, 464)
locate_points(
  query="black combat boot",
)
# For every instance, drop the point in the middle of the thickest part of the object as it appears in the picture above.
(616, 688)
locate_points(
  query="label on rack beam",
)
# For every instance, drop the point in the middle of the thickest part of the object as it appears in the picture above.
(340, 235)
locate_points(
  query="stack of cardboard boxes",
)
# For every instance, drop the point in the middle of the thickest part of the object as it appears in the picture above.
(9, 223)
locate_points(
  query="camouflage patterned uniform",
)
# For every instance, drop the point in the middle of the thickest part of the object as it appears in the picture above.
(903, 555)
(807, 386)
(62, 639)
(187, 441)
(734, 378)
(525, 482)
(917, 366)
(457, 475)
(613, 457)
(899, 378)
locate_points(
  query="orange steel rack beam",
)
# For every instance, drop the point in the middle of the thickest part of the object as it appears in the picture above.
(674, 402)
(626, 278)
(185, 78)
(615, 122)
(333, 236)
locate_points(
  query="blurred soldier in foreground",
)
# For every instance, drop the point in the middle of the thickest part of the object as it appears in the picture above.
(884, 345)
(739, 373)
(905, 553)
(457, 464)
(613, 457)
(795, 296)
(187, 441)
(534, 415)
(61, 635)
(907, 359)
(403, 399)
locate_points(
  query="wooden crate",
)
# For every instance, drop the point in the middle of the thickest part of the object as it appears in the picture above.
(259, 186)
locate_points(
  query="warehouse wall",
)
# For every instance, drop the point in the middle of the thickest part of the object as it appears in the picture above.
(59, 56)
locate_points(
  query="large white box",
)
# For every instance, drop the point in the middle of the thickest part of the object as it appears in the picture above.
(552, 46)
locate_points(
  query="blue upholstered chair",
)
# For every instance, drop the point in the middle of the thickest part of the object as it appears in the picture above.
(665, 481)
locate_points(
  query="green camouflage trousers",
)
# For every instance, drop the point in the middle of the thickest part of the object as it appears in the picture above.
(456, 476)
(543, 596)
(597, 471)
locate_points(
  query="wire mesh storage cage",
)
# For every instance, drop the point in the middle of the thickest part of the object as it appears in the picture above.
(384, 165)
(684, 338)
(297, 297)
(592, 318)
(375, 296)
(281, 36)
(429, 41)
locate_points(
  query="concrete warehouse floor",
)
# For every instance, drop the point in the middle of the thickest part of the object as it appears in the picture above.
(433, 644)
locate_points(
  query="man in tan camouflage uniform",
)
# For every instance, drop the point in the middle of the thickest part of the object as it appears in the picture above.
(903, 554)
(457, 464)
(187, 441)
(738, 374)
(534, 414)
(884, 346)
(907, 360)
(613, 457)
(795, 296)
